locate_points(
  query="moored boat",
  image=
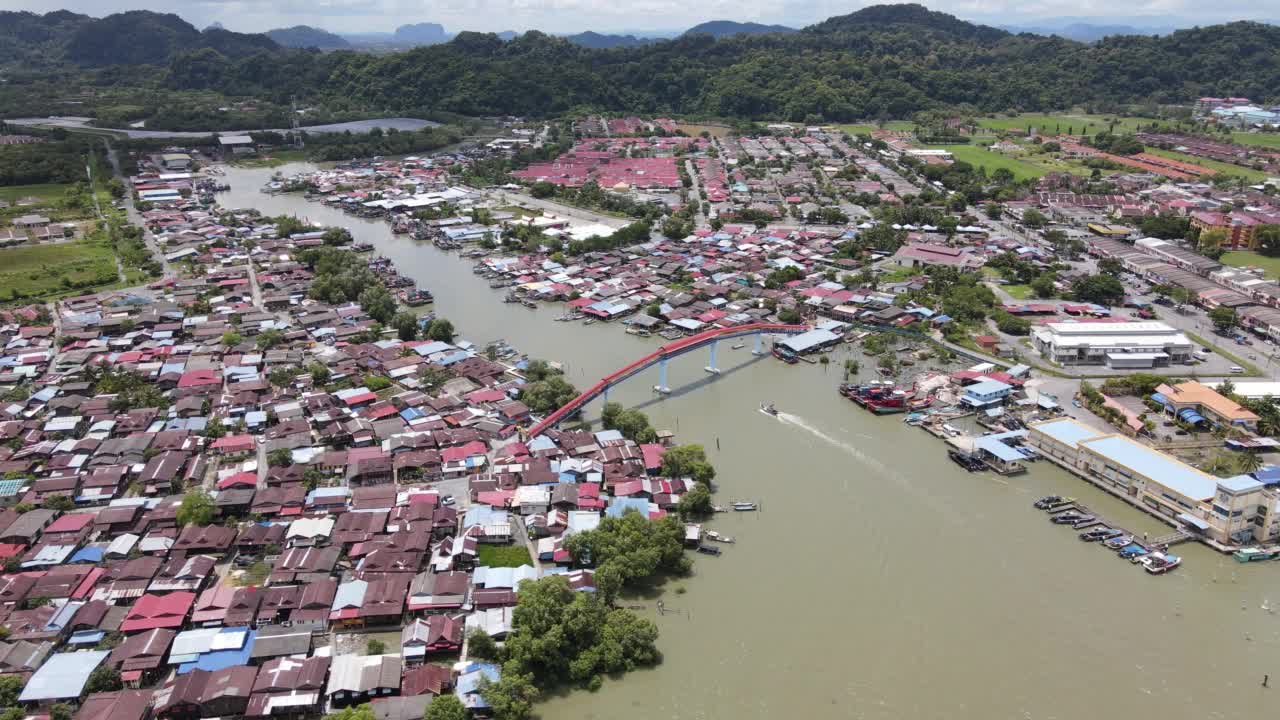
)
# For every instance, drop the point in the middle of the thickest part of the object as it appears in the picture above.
(709, 550)
(743, 506)
(1158, 563)
(1253, 554)
(968, 462)
(718, 537)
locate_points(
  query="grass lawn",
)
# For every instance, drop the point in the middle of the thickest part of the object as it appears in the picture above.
(1269, 265)
(1077, 123)
(718, 131)
(1271, 140)
(1222, 167)
(45, 193)
(1021, 292)
(502, 555)
(39, 270)
(980, 156)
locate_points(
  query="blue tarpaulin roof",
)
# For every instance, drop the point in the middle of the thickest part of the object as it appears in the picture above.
(1160, 398)
(219, 659)
(1191, 416)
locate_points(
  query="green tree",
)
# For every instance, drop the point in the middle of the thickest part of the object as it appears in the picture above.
(10, 688)
(378, 303)
(104, 678)
(280, 457)
(1099, 289)
(231, 338)
(440, 330)
(406, 325)
(1043, 285)
(319, 373)
(688, 461)
(197, 508)
(60, 711)
(512, 696)
(1268, 237)
(61, 503)
(1223, 318)
(993, 210)
(1033, 218)
(375, 647)
(268, 339)
(696, 502)
(482, 646)
(548, 395)
(445, 707)
(1110, 266)
(359, 712)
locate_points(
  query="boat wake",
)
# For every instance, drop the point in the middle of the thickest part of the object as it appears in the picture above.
(880, 468)
(799, 422)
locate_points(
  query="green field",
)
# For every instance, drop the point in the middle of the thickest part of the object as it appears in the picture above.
(46, 193)
(1077, 123)
(38, 270)
(864, 129)
(1018, 292)
(1269, 265)
(982, 157)
(1270, 140)
(502, 555)
(1224, 168)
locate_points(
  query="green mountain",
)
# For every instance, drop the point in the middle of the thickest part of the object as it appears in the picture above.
(305, 36)
(729, 28)
(882, 61)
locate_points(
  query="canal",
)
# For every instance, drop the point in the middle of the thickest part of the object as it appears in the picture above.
(879, 580)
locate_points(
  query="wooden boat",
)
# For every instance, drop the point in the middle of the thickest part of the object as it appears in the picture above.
(709, 550)
(743, 506)
(713, 535)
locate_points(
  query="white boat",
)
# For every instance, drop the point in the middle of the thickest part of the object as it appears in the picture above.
(739, 346)
(1159, 563)
(713, 535)
(768, 409)
(743, 506)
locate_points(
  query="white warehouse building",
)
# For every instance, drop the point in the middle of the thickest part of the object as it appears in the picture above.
(1116, 345)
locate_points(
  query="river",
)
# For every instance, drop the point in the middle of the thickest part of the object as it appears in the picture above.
(879, 580)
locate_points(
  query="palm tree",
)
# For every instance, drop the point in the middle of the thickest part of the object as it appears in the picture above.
(1247, 462)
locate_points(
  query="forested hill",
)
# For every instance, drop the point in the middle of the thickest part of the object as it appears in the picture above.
(728, 28)
(882, 61)
(138, 37)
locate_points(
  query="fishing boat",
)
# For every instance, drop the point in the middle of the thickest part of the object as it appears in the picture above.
(768, 409)
(1066, 518)
(739, 346)
(709, 550)
(638, 332)
(1253, 554)
(590, 321)
(968, 462)
(713, 535)
(743, 506)
(529, 304)
(416, 297)
(362, 247)
(785, 355)
(1158, 563)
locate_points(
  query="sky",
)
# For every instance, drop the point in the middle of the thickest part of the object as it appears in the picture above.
(566, 16)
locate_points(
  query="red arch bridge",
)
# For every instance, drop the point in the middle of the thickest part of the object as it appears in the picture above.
(659, 357)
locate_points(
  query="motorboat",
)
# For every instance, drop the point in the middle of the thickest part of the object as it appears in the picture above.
(1098, 534)
(768, 409)
(1159, 563)
(968, 462)
(1133, 551)
(1066, 518)
(718, 537)
(743, 506)
(709, 550)
(1118, 541)
(1048, 501)
(739, 346)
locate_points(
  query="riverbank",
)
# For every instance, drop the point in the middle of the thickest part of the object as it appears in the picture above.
(899, 526)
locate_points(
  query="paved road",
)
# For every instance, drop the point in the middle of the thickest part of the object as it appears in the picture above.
(525, 200)
(356, 126)
(135, 217)
(695, 192)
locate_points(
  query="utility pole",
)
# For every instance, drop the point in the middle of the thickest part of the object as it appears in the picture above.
(297, 132)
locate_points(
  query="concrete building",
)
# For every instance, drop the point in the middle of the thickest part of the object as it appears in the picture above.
(1190, 399)
(1116, 345)
(1229, 511)
(176, 161)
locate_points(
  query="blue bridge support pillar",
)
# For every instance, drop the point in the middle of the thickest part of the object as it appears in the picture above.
(661, 388)
(759, 344)
(713, 368)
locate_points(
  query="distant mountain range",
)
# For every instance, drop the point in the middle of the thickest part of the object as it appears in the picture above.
(729, 28)
(305, 36)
